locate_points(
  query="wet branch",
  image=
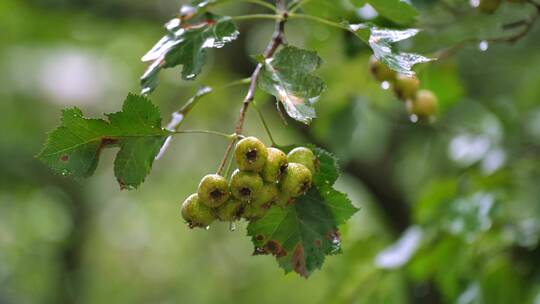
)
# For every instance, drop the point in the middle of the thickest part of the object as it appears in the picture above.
(274, 44)
(526, 24)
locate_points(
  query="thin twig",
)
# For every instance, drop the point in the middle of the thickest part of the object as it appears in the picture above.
(263, 121)
(276, 41)
(178, 116)
(527, 25)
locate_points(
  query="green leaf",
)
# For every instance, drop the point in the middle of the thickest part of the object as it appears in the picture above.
(288, 76)
(75, 146)
(398, 11)
(302, 234)
(381, 42)
(185, 44)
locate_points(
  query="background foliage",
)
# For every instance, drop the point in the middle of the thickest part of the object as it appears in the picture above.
(450, 212)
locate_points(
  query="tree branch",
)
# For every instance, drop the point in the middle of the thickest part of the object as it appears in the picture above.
(527, 25)
(273, 45)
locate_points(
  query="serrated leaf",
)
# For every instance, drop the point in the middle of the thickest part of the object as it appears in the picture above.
(302, 234)
(399, 11)
(74, 147)
(185, 44)
(288, 76)
(381, 42)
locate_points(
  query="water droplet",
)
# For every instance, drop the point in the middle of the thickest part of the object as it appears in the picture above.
(385, 85)
(187, 10)
(413, 118)
(207, 228)
(232, 226)
(483, 45)
(190, 76)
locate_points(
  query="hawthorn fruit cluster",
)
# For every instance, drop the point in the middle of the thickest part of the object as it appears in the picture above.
(265, 177)
(422, 103)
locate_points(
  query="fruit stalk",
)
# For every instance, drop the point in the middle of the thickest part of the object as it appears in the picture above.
(273, 45)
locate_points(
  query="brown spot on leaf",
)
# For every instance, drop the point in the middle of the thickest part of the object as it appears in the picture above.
(259, 237)
(273, 247)
(318, 243)
(298, 261)
(64, 157)
(122, 184)
(106, 141)
(333, 236)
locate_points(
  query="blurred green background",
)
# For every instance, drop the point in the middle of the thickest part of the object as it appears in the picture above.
(450, 212)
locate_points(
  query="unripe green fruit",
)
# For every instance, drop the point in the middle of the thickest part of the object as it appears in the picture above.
(489, 6)
(213, 190)
(230, 211)
(304, 156)
(424, 105)
(262, 203)
(196, 213)
(250, 154)
(245, 186)
(406, 87)
(380, 71)
(276, 163)
(283, 199)
(297, 180)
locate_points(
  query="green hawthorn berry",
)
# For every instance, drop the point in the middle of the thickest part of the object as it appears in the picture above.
(250, 154)
(424, 105)
(245, 185)
(489, 6)
(213, 190)
(283, 199)
(196, 213)
(230, 211)
(380, 71)
(296, 180)
(257, 208)
(276, 163)
(304, 156)
(267, 196)
(406, 87)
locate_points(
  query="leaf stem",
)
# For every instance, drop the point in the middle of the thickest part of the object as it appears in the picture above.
(263, 121)
(296, 6)
(257, 16)
(228, 136)
(319, 20)
(262, 3)
(273, 45)
(258, 2)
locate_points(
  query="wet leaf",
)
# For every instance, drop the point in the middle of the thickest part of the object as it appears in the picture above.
(381, 42)
(288, 76)
(302, 234)
(74, 147)
(188, 37)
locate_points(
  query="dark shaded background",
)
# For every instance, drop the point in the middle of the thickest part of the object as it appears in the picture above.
(450, 212)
